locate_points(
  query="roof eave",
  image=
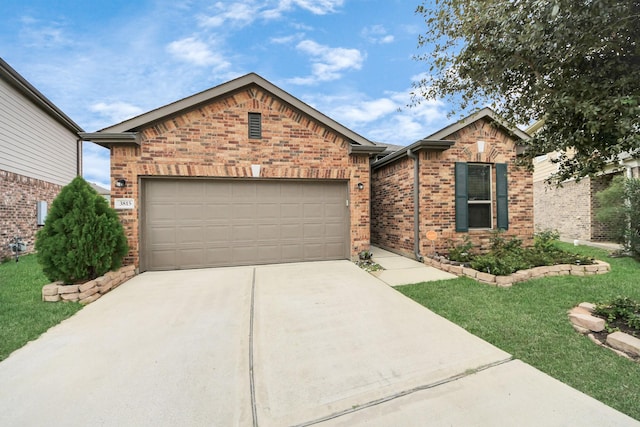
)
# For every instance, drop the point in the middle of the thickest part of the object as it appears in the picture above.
(422, 145)
(366, 149)
(110, 139)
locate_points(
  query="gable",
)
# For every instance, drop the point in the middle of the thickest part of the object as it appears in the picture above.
(226, 92)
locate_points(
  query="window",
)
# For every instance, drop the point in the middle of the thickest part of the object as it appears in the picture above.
(479, 195)
(255, 125)
(473, 199)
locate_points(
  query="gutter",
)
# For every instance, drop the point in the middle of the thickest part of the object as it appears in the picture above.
(416, 204)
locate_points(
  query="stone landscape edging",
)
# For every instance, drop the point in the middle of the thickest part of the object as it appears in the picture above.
(90, 291)
(599, 267)
(585, 323)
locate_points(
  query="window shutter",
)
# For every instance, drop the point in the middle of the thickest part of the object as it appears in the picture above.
(502, 202)
(462, 206)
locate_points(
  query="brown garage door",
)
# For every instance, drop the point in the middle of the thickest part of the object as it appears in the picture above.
(211, 223)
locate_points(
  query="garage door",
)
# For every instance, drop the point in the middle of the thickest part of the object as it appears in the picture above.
(214, 223)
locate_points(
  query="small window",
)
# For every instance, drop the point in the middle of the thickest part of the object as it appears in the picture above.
(473, 196)
(255, 125)
(479, 193)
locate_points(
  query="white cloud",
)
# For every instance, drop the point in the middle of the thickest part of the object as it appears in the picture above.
(377, 34)
(328, 62)
(317, 7)
(385, 119)
(116, 111)
(239, 14)
(43, 34)
(96, 164)
(196, 52)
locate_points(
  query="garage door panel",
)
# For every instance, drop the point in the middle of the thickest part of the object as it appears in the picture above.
(313, 231)
(190, 257)
(191, 234)
(334, 231)
(162, 211)
(268, 232)
(244, 233)
(208, 223)
(217, 234)
(165, 236)
(268, 211)
(291, 210)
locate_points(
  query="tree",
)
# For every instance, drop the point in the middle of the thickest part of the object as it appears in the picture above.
(573, 63)
(620, 210)
(82, 237)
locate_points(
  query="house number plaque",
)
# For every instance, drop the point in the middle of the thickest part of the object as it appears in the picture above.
(123, 203)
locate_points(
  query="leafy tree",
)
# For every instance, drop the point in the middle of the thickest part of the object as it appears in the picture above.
(82, 237)
(572, 63)
(620, 209)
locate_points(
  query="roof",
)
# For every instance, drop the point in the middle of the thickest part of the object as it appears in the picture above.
(110, 135)
(484, 113)
(435, 142)
(101, 190)
(423, 144)
(21, 84)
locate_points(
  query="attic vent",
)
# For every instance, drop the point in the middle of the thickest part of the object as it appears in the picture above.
(255, 125)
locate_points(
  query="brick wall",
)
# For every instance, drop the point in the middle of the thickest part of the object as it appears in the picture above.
(18, 212)
(566, 209)
(437, 191)
(572, 208)
(212, 141)
(392, 206)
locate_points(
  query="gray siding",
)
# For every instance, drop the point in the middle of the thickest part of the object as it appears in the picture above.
(32, 143)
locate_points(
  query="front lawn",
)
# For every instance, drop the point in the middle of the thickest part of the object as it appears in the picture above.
(23, 314)
(529, 320)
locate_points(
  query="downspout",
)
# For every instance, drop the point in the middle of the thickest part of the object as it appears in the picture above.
(416, 205)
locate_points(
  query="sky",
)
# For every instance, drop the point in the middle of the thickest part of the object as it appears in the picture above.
(102, 62)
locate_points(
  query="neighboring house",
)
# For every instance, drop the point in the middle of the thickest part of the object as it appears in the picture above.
(101, 191)
(460, 181)
(39, 153)
(571, 208)
(243, 173)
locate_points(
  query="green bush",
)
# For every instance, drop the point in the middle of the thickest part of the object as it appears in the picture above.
(461, 252)
(620, 210)
(82, 237)
(623, 309)
(508, 256)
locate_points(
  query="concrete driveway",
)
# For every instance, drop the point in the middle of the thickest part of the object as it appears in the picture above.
(296, 344)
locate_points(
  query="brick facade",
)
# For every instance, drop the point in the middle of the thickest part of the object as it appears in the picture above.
(18, 211)
(212, 140)
(437, 192)
(571, 209)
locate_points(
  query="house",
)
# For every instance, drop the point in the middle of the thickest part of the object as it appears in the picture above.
(40, 153)
(571, 208)
(101, 191)
(243, 173)
(461, 181)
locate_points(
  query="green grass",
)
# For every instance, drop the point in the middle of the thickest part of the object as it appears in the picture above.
(23, 314)
(529, 320)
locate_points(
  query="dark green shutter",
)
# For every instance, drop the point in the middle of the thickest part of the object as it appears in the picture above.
(462, 200)
(502, 202)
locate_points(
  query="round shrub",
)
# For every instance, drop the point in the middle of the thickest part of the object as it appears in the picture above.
(82, 237)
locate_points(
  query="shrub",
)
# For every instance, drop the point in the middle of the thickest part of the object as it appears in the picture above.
(623, 309)
(461, 252)
(82, 237)
(620, 210)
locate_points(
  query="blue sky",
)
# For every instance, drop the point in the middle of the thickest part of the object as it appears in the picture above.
(104, 61)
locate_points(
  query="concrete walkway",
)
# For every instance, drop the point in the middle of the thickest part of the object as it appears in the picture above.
(305, 344)
(400, 270)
